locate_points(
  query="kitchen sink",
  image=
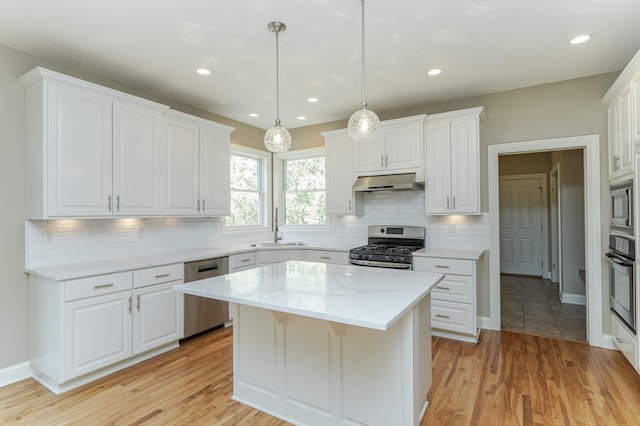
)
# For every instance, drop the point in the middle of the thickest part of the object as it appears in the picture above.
(278, 244)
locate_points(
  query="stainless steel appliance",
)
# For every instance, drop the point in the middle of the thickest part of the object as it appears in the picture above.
(200, 313)
(389, 247)
(621, 200)
(621, 278)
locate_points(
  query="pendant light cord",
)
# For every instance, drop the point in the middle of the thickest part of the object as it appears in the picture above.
(364, 98)
(277, 79)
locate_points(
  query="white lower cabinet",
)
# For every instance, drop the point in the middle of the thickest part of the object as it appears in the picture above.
(327, 256)
(242, 261)
(624, 340)
(454, 310)
(265, 257)
(85, 328)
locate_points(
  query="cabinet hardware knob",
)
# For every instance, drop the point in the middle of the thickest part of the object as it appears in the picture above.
(129, 304)
(454, 202)
(381, 161)
(101, 286)
(325, 257)
(162, 275)
(447, 203)
(109, 203)
(443, 316)
(118, 203)
(245, 260)
(442, 266)
(203, 206)
(386, 160)
(198, 202)
(443, 288)
(138, 303)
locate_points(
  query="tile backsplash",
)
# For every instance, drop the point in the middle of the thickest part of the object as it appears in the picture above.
(56, 242)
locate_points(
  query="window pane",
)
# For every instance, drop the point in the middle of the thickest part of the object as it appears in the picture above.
(245, 209)
(244, 173)
(304, 174)
(305, 208)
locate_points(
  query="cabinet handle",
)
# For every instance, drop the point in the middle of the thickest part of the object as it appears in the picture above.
(245, 260)
(443, 316)
(203, 206)
(447, 203)
(109, 203)
(443, 288)
(129, 304)
(620, 340)
(162, 275)
(198, 204)
(98, 287)
(138, 303)
(349, 204)
(454, 202)
(386, 160)
(381, 161)
(442, 266)
(118, 203)
(325, 257)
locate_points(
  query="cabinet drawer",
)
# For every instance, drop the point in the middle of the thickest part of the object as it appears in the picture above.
(455, 288)
(624, 340)
(96, 286)
(337, 257)
(443, 265)
(157, 275)
(458, 317)
(243, 260)
(277, 256)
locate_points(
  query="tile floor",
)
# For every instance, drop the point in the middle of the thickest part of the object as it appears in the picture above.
(530, 305)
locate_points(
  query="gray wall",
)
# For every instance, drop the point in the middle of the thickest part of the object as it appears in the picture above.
(554, 110)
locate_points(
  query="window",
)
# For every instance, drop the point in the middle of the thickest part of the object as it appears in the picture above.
(249, 181)
(303, 195)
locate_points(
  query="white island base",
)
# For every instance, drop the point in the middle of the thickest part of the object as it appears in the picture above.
(311, 371)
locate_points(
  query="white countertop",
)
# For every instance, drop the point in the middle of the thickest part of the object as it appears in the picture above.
(449, 253)
(367, 297)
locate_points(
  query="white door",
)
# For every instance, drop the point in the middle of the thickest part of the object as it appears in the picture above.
(521, 226)
(339, 176)
(438, 167)
(158, 316)
(182, 150)
(465, 151)
(403, 146)
(214, 172)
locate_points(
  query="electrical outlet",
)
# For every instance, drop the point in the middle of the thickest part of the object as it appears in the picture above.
(452, 228)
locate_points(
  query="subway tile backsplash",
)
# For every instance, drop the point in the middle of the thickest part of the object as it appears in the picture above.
(56, 242)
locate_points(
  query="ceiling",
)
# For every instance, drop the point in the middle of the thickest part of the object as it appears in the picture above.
(482, 46)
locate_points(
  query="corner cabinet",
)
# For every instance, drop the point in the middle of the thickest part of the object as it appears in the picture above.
(452, 162)
(196, 154)
(82, 329)
(341, 199)
(397, 149)
(90, 151)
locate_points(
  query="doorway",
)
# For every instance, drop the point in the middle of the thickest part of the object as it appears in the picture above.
(591, 229)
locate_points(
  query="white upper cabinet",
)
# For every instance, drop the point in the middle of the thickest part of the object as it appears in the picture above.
(623, 101)
(341, 200)
(397, 149)
(453, 162)
(88, 149)
(197, 159)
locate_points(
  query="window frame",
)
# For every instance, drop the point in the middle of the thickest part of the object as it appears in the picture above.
(266, 179)
(278, 187)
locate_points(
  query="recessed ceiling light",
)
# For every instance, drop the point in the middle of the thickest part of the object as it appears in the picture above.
(253, 114)
(312, 100)
(203, 71)
(434, 71)
(301, 117)
(580, 39)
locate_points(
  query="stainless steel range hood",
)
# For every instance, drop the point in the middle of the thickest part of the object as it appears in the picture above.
(405, 181)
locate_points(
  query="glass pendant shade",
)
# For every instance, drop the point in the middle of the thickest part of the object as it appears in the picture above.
(364, 125)
(277, 139)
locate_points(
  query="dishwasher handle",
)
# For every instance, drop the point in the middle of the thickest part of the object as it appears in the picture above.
(207, 268)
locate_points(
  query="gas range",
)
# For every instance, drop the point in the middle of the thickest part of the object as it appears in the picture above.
(389, 247)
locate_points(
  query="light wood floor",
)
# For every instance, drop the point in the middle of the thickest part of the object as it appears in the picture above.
(505, 379)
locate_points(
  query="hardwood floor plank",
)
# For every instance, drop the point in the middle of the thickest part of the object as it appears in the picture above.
(505, 379)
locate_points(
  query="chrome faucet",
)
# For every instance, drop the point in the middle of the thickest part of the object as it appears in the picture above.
(276, 237)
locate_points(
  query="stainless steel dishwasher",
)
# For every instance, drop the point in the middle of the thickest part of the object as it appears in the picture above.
(201, 313)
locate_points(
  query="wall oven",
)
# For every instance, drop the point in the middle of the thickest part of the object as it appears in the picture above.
(621, 203)
(622, 289)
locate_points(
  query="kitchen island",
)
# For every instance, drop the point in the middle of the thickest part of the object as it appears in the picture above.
(329, 344)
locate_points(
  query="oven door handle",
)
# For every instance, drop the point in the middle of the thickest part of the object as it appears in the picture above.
(618, 261)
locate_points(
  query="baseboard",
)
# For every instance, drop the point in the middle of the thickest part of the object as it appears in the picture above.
(574, 299)
(15, 373)
(485, 324)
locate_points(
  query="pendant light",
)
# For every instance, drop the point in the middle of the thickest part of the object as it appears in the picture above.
(277, 138)
(364, 124)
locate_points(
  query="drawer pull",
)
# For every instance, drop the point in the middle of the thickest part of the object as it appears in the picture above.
(100, 287)
(443, 316)
(162, 275)
(325, 257)
(620, 340)
(245, 260)
(443, 288)
(442, 266)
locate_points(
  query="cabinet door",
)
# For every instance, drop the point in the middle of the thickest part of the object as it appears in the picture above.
(403, 147)
(214, 172)
(438, 169)
(136, 165)
(465, 151)
(182, 146)
(635, 107)
(339, 176)
(369, 156)
(79, 152)
(625, 137)
(97, 333)
(158, 316)
(614, 134)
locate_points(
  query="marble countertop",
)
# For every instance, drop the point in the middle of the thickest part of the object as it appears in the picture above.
(86, 269)
(368, 297)
(449, 253)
